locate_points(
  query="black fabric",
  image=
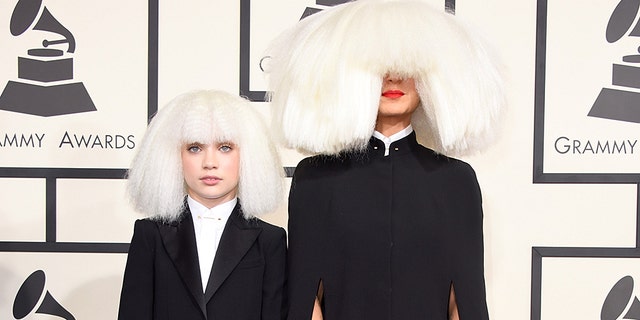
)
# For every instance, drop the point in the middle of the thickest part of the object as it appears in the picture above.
(162, 276)
(387, 236)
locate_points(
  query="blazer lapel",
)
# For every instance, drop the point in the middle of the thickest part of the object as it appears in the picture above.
(180, 242)
(237, 238)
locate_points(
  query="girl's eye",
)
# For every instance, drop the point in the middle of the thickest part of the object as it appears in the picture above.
(225, 148)
(194, 148)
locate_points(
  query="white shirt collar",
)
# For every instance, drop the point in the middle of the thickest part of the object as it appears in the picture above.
(393, 138)
(222, 210)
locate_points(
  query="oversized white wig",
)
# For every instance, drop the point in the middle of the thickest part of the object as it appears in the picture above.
(325, 77)
(156, 184)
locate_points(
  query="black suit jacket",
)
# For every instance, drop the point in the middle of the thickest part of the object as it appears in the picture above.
(162, 276)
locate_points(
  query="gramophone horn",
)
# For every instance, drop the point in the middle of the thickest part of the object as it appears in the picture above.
(621, 19)
(618, 299)
(48, 23)
(29, 295)
(26, 12)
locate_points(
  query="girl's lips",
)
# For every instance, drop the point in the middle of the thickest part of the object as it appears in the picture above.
(393, 94)
(210, 180)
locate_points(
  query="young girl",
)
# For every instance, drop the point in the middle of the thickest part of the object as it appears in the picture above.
(204, 172)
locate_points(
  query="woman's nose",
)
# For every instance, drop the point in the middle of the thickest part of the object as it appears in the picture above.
(392, 78)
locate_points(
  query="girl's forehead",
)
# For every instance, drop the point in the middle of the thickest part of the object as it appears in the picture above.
(208, 133)
(208, 142)
(204, 126)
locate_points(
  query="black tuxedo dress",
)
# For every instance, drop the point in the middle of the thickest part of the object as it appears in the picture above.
(386, 236)
(162, 276)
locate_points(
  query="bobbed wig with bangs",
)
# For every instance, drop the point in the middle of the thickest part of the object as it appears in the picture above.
(325, 77)
(156, 184)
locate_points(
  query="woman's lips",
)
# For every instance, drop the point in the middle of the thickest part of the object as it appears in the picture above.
(393, 94)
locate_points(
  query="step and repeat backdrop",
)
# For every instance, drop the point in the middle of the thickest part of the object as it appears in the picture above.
(79, 81)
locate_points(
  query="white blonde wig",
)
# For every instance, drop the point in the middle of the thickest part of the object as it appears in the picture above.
(156, 184)
(325, 77)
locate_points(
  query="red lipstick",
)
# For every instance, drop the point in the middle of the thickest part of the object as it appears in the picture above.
(393, 94)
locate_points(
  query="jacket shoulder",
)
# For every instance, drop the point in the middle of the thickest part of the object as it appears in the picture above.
(146, 224)
(320, 166)
(453, 165)
(268, 226)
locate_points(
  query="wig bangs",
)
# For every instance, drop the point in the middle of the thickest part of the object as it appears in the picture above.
(205, 124)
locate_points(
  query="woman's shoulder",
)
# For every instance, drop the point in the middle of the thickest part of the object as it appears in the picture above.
(318, 166)
(321, 161)
(447, 163)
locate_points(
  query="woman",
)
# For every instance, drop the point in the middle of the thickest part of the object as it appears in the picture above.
(380, 226)
(204, 172)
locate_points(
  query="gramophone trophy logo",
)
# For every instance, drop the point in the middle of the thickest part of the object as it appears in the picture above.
(257, 28)
(575, 142)
(620, 103)
(45, 86)
(32, 297)
(620, 302)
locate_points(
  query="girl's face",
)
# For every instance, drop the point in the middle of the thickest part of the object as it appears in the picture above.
(211, 172)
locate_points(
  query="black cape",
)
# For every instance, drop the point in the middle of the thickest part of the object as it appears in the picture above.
(387, 236)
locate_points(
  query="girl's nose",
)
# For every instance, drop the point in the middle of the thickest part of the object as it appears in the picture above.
(210, 160)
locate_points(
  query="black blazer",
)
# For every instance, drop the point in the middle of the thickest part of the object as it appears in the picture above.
(162, 276)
